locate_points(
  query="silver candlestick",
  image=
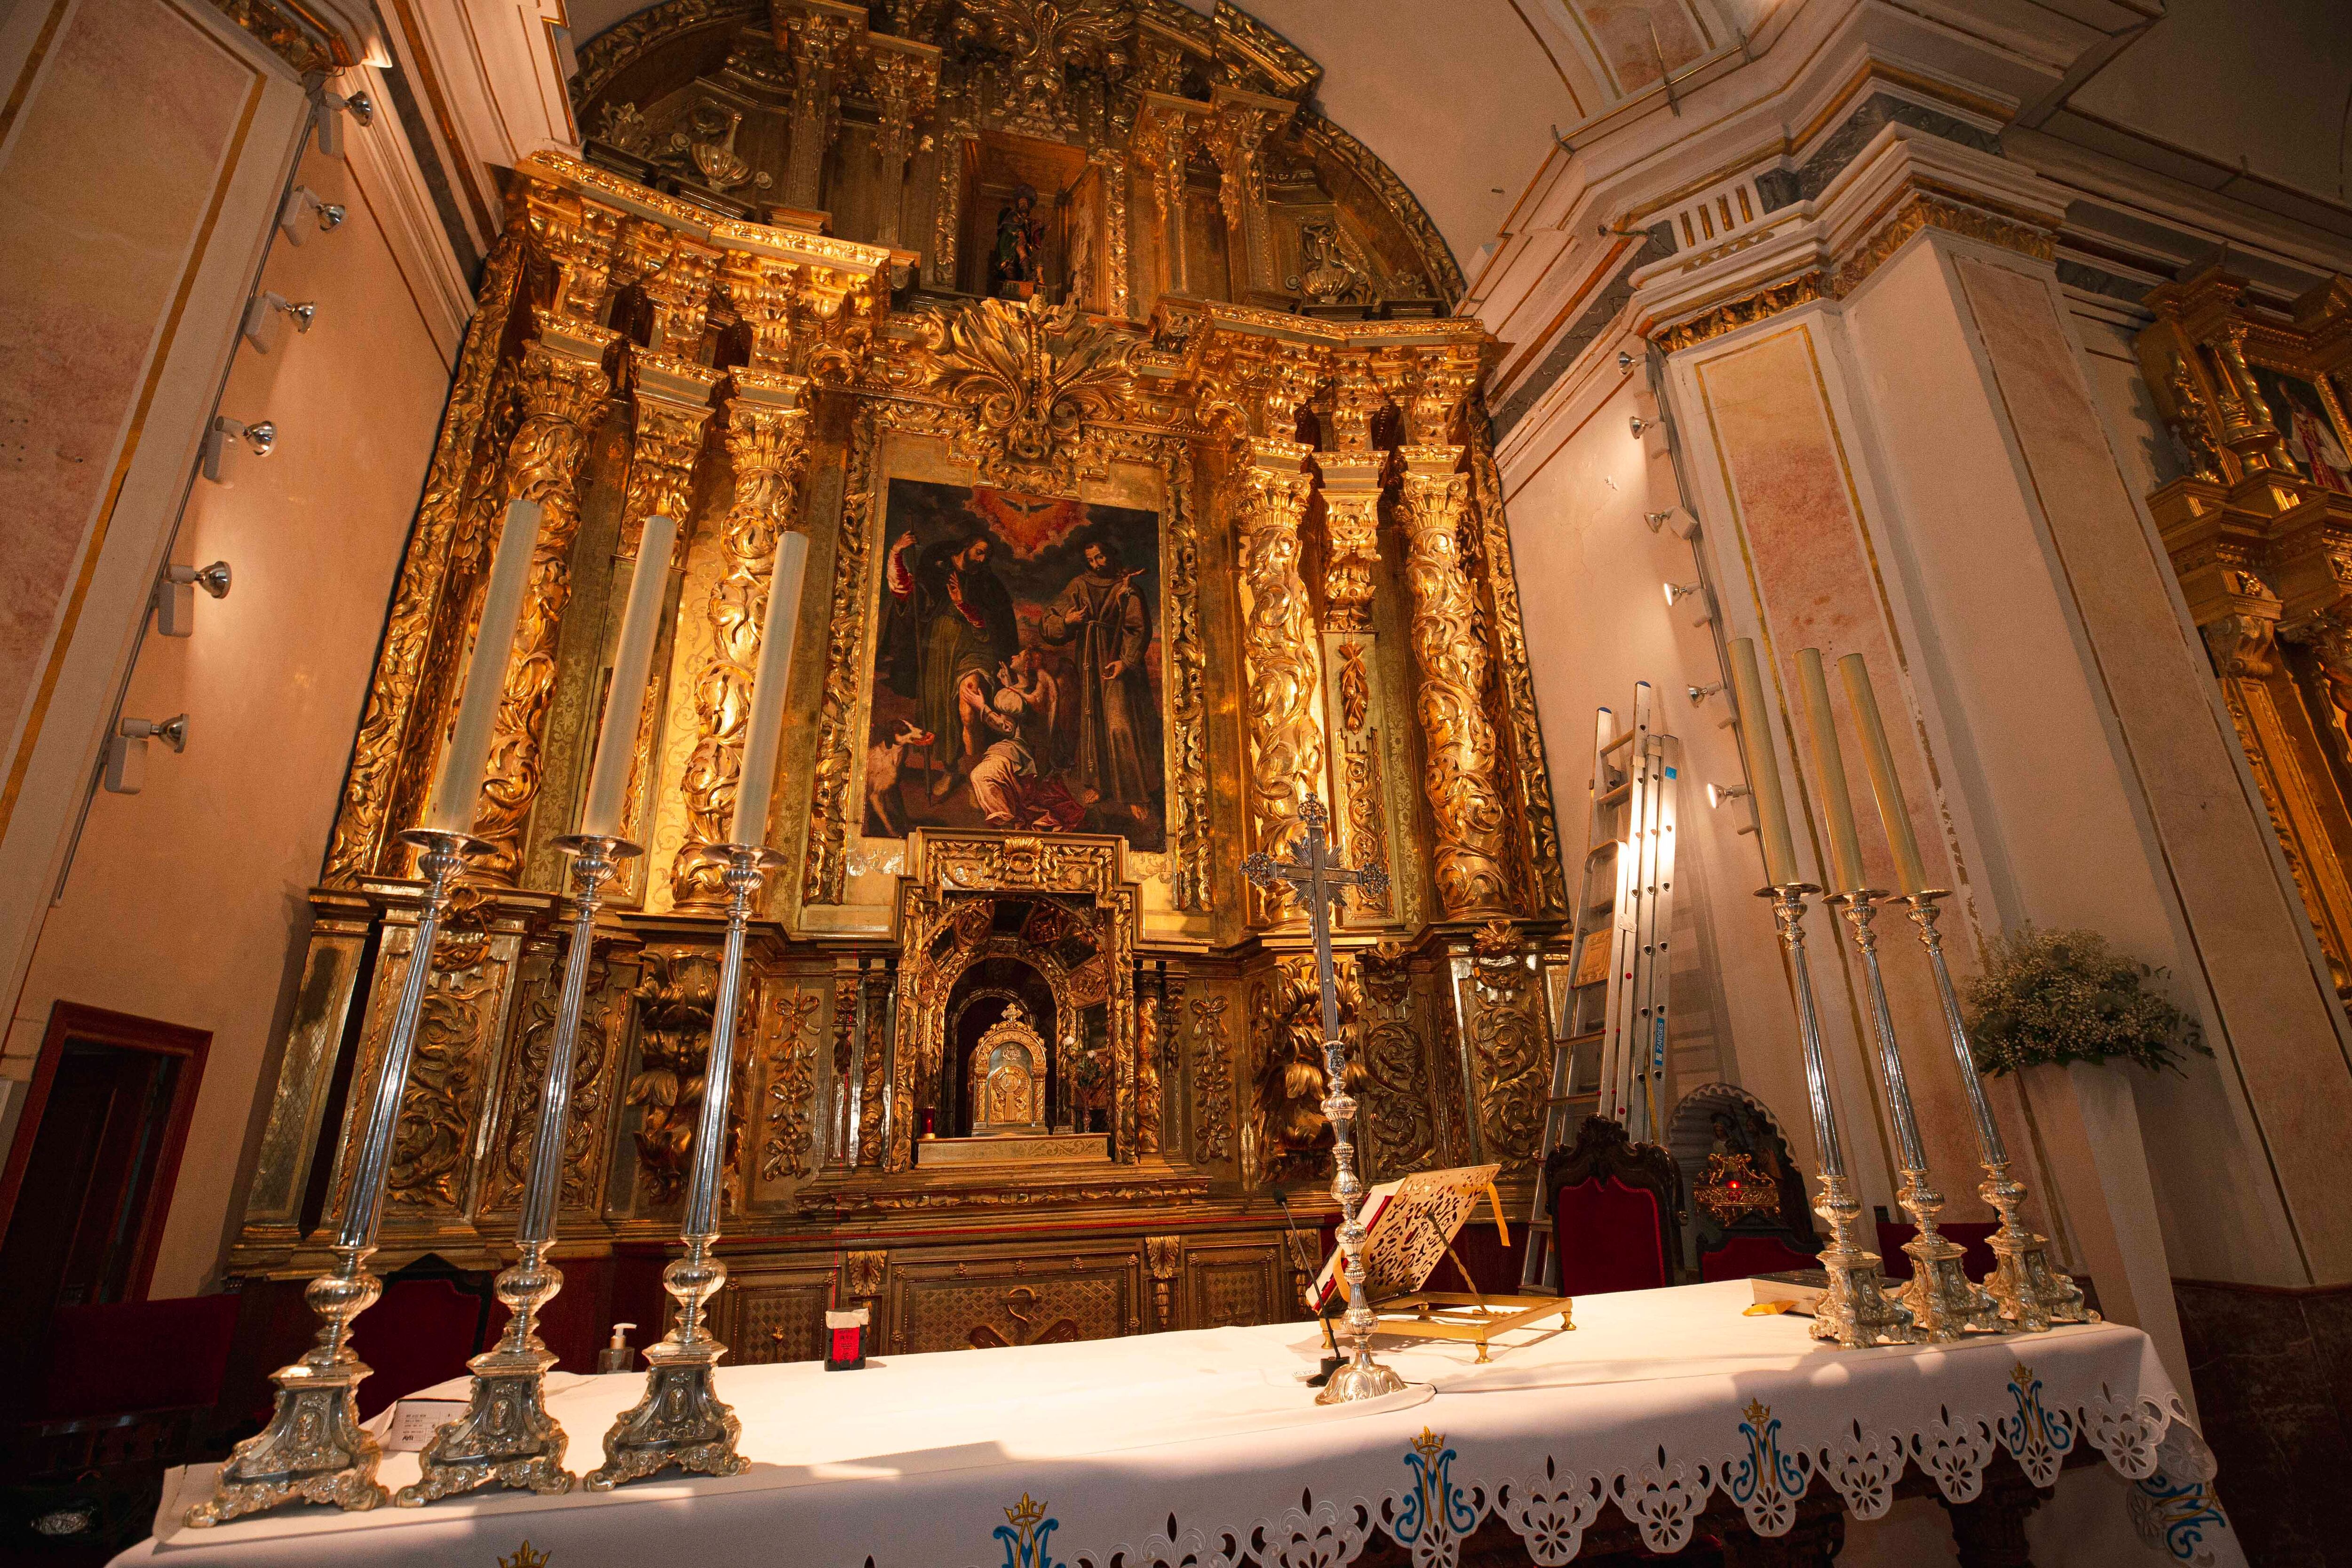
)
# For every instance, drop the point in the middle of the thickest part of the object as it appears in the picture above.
(1945, 1305)
(1322, 884)
(2031, 1292)
(314, 1450)
(1856, 1311)
(681, 1422)
(505, 1438)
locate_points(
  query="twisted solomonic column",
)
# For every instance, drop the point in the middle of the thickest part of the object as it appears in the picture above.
(767, 443)
(1464, 798)
(563, 391)
(1284, 706)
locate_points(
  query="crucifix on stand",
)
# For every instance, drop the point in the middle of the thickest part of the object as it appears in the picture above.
(1321, 883)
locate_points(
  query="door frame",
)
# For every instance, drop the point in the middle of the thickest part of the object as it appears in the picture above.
(129, 1032)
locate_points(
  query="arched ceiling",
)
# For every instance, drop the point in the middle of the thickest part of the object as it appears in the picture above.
(1461, 98)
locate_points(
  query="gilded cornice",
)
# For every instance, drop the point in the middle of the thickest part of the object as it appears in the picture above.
(1745, 311)
(307, 47)
(598, 185)
(603, 57)
(1925, 210)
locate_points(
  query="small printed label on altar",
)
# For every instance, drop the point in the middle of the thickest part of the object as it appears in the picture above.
(414, 1422)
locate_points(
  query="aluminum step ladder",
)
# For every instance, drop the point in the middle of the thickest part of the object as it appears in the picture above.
(1609, 1042)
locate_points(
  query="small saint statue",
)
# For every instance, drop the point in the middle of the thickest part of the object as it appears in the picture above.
(1015, 264)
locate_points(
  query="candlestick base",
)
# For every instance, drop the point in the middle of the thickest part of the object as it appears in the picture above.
(1363, 1378)
(314, 1448)
(2031, 1292)
(1857, 1312)
(1945, 1305)
(505, 1438)
(681, 1422)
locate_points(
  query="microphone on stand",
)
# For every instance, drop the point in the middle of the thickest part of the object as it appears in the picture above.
(1331, 1307)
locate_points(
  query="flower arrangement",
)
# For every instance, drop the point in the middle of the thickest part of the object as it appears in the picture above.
(2058, 996)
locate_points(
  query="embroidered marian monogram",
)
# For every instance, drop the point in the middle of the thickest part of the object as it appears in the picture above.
(1023, 1534)
(1768, 1482)
(2037, 1437)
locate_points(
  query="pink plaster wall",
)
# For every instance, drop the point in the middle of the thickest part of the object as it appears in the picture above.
(96, 267)
(187, 900)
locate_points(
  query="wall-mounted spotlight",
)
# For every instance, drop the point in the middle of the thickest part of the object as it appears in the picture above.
(1718, 793)
(1677, 592)
(1637, 425)
(265, 316)
(259, 438)
(331, 107)
(175, 595)
(304, 206)
(1699, 694)
(126, 750)
(1657, 519)
(1625, 360)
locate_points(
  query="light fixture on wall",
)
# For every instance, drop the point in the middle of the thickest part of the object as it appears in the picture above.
(126, 750)
(1718, 793)
(1699, 694)
(1677, 592)
(1625, 360)
(330, 108)
(175, 595)
(304, 208)
(266, 315)
(1657, 519)
(1635, 422)
(259, 438)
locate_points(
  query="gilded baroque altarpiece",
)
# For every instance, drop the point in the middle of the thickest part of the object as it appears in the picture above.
(1147, 492)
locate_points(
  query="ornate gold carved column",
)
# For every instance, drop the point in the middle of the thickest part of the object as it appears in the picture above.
(1234, 133)
(563, 389)
(1354, 712)
(767, 443)
(1464, 798)
(903, 77)
(1163, 143)
(816, 34)
(402, 702)
(1285, 731)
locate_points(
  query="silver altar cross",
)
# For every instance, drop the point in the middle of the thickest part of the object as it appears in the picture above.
(1323, 884)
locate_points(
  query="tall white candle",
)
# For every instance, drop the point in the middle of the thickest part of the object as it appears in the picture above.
(459, 789)
(1910, 870)
(1829, 762)
(616, 742)
(1763, 766)
(766, 728)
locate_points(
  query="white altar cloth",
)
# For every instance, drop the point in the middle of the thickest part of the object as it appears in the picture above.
(1204, 1450)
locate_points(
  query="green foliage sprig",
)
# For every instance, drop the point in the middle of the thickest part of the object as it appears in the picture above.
(2060, 997)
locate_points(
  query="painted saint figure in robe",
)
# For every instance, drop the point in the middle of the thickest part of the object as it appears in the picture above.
(947, 624)
(2310, 441)
(1114, 758)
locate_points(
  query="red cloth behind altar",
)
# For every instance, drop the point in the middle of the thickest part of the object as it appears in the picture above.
(1607, 1233)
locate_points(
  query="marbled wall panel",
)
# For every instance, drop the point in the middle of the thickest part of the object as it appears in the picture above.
(1809, 559)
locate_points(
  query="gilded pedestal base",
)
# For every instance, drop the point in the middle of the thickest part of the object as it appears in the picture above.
(1857, 1312)
(681, 1422)
(314, 1450)
(1945, 1305)
(505, 1438)
(2031, 1292)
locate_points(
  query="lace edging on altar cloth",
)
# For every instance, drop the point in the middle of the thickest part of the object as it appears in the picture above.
(1765, 1468)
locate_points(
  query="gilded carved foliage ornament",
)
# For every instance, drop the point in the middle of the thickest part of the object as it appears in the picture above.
(1026, 376)
(1041, 39)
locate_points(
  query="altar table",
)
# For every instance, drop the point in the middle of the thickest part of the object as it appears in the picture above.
(1204, 1450)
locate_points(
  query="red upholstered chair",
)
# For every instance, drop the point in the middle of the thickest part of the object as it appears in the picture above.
(429, 1320)
(1613, 1211)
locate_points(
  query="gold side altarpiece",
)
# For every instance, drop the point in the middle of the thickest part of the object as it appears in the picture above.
(2259, 527)
(794, 285)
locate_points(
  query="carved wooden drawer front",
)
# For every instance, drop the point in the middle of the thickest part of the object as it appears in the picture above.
(770, 1316)
(987, 1304)
(1228, 1285)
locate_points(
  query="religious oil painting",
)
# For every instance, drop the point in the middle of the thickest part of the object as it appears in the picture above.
(2314, 441)
(1017, 679)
